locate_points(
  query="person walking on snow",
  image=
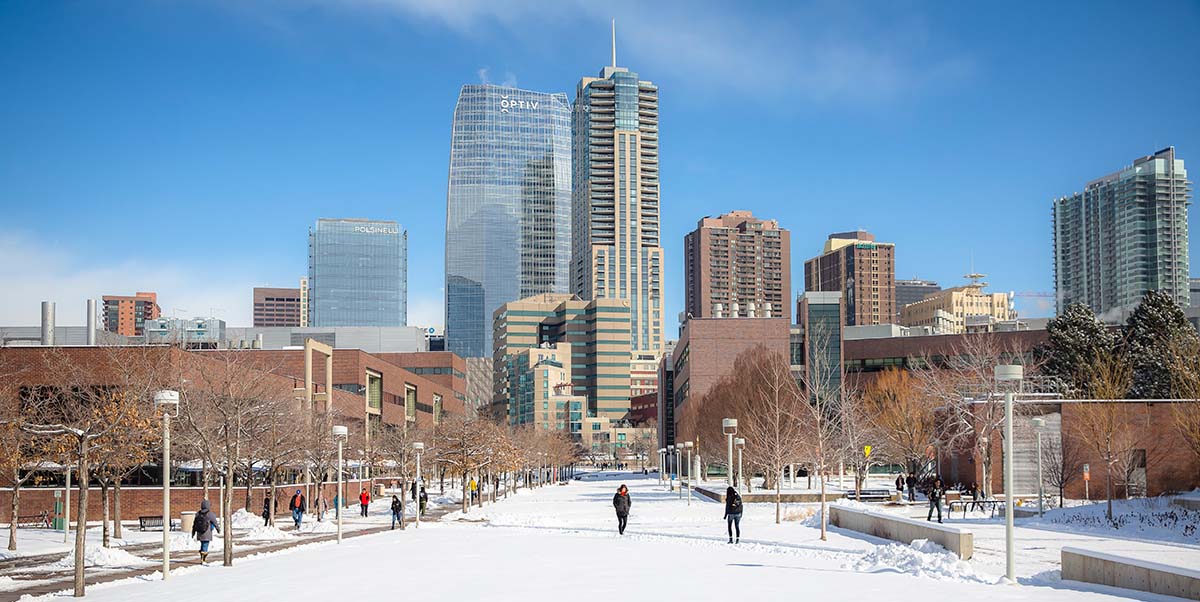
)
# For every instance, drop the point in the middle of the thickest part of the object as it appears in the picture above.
(267, 509)
(733, 514)
(911, 481)
(397, 512)
(298, 506)
(622, 503)
(364, 500)
(474, 489)
(935, 499)
(900, 484)
(202, 529)
(424, 500)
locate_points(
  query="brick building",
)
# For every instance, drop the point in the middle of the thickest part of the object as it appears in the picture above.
(736, 265)
(705, 354)
(863, 270)
(126, 315)
(277, 307)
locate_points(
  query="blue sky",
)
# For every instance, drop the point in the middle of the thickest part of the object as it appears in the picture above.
(185, 146)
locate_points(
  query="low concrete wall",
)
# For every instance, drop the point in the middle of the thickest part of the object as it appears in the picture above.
(1130, 573)
(763, 496)
(904, 530)
(1187, 502)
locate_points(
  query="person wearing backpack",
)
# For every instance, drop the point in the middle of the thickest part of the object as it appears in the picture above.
(733, 514)
(397, 512)
(202, 529)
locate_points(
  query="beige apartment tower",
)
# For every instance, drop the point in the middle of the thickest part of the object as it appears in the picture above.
(738, 266)
(616, 251)
(948, 311)
(860, 268)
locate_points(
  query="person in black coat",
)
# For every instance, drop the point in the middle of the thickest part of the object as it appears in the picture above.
(900, 484)
(936, 491)
(267, 509)
(911, 481)
(397, 512)
(622, 503)
(733, 514)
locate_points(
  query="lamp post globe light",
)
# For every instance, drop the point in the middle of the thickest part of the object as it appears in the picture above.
(418, 447)
(168, 402)
(729, 427)
(340, 434)
(1008, 376)
(740, 444)
(1039, 424)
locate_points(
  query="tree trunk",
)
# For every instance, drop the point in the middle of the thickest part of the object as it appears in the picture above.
(466, 497)
(15, 508)
(204, 476)
(986, 463)
(778, 498)
(403, 498)
(117, 509)
(824, 512)
(249, 487)
(1108, 492)
(104, 513)
(227, 505)
(81, 518)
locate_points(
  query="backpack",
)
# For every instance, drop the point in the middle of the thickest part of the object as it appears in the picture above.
(735, 504)
(200, 524)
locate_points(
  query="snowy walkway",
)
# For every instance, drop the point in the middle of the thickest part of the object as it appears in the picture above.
(560, 542)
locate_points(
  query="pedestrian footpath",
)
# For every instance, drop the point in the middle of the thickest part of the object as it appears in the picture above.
(43, 583)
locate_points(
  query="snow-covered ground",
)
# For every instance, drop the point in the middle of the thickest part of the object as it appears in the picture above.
(560, 542)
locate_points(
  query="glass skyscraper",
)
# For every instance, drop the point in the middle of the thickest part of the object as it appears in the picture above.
(508, 207)
(616, 249)
(357, 273)
(1125, 234)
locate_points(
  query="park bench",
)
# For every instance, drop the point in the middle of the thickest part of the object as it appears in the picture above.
(34, 520)
(871, 495)
(152, 522)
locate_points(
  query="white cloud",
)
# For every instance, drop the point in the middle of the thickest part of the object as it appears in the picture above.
(483, 75)
(425, 310)
(820, 51)
(34, 272)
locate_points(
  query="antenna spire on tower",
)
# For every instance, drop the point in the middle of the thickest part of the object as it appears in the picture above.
(614, 42)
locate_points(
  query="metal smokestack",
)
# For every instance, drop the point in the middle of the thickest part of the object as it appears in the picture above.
(91, 322)
(47, 323)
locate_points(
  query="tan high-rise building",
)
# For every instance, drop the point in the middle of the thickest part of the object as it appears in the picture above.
(947, 312)
(738, 266)
(616, 251)
(860, 268)
(598, 334)
(127, 315)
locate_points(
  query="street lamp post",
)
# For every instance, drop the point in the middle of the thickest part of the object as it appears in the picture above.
(1038, 424)
(167, 401)
(729, 426)
(417, 447)
(340, 433)
(688, 445)
(1009, 374)
(674, 453)
(740, 444)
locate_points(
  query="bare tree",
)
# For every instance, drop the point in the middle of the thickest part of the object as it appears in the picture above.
(770, 420)
(906, 421)
(825, 395)
(1185, 377)
(1103, 426)
(1063, 459)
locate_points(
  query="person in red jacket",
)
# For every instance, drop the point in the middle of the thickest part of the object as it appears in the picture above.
(364, 500)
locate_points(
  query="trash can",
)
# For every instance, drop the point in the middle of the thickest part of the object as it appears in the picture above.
(379, 492)
(186, 520)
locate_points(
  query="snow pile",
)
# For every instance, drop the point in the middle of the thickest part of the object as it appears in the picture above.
(1147, 518)
(245, 520)
(261, 533)
(102, 557)
(319, 527)
(185, 541)
(8, 583)
(921, 558)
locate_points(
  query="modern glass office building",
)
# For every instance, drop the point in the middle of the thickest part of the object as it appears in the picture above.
(357, 273)
(508, 207)
(1125, 234)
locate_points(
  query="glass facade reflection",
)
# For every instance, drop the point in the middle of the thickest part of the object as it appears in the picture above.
(508, 207)
(357, 273)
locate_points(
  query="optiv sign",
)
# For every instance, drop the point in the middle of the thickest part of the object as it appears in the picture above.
(507, 104)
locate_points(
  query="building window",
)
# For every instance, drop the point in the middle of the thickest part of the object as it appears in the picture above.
(410, 402)
(374, 390)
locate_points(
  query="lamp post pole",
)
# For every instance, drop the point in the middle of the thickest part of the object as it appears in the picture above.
(166, 400)
(67, 506)
(1038, 424)
(740, 443)
(340, 433)
(729, 425)
(688, 445)
(1009, 374)
(419, 447)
